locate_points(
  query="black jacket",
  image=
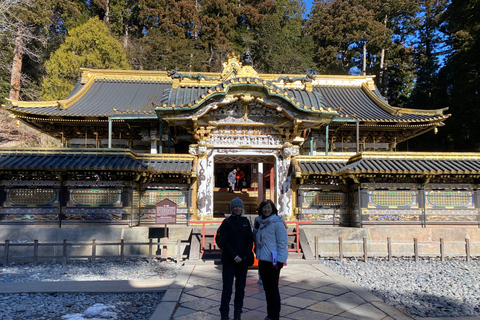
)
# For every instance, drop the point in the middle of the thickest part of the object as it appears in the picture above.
(237, 239)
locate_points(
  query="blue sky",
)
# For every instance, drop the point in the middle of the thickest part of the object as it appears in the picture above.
(308, 4)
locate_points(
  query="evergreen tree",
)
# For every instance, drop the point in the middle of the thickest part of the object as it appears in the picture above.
(341, 29)
(168, 36)
(391, 56)
(87, 46)
(279, 44)
(429, 45)
(23, 25)
(458, 82)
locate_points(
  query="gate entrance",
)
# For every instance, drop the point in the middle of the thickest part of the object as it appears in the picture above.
(257, 184)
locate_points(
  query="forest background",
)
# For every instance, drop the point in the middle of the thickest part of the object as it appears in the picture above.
(425, 54)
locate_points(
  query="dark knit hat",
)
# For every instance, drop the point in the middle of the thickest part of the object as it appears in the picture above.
(237, 202)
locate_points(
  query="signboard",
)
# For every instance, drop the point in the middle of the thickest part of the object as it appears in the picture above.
(166, 212)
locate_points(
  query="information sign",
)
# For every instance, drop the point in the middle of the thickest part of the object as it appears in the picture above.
(166, 212)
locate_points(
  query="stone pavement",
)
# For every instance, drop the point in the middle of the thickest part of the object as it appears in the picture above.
(308, 291)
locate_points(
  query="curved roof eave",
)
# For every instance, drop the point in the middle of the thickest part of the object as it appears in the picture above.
(232, 85)
(396, 110)
(59, 104)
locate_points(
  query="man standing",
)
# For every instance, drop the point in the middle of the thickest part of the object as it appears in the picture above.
(232, 178)
(236, 241)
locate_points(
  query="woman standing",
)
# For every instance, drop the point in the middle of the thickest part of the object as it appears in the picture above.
(271, 248)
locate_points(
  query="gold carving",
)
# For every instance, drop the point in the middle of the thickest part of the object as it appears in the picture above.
(233, 68)
(202, 133)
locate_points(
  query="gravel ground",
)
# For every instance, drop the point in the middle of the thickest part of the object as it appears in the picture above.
(428, 288)
(130, 306)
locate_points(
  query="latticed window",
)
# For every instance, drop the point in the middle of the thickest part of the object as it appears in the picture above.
(32, 196)
(152, 197)
(95, 197)
(322, 198)
(392, 198)
(450, 199)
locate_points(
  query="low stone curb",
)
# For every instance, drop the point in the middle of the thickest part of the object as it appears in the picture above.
(166, 309)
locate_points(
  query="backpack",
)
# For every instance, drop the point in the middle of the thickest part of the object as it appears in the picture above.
(218, 238)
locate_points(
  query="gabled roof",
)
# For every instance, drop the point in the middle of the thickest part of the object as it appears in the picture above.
(108, 93)
(414, 163)
(189, 97)
(389, 163)
(363, 104)
(318, 165)
(94, 160)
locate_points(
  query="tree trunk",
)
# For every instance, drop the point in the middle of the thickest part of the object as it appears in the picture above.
(16, 72)
(383, 79)
(125, 38)
(107, 11)
(364, 58)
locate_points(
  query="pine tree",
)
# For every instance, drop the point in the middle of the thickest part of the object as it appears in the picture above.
(87, 46)
(341, 29)
(279, 44)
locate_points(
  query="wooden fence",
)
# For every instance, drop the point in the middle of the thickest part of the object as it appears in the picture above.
(384, 249)
(66, 247)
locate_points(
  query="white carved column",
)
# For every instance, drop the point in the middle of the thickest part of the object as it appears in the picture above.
(153, 142)
(260, 190)
(284, 181)
(204, 182)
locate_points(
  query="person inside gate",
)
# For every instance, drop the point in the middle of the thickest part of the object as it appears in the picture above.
(232, 178)
(270, 234)
(240, 177)
(236, 242)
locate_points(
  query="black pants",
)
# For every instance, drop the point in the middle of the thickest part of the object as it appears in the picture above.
(229, 271)
(270, 276)
(239, 184)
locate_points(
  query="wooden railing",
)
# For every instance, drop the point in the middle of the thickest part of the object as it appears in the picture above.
(65, 246)
(362, 249)
(203, 248)
(205, 234)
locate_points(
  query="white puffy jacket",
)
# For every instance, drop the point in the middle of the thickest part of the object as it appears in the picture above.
(271, 235)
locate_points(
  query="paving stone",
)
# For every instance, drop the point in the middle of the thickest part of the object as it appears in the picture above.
(199, 315)
(253, 290)
(306, 292)
(187, 297)
(201, 304)
(261, 295)
(286, 310)
(181, 311)
(254, 315)
(327, 307)
(364, 311)
(291, 291)
(333, 289)
(304, 285)
(298, 302)
(347, 301)
(203, 292)
(313, 295)
(252, 303)
(308, 315)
